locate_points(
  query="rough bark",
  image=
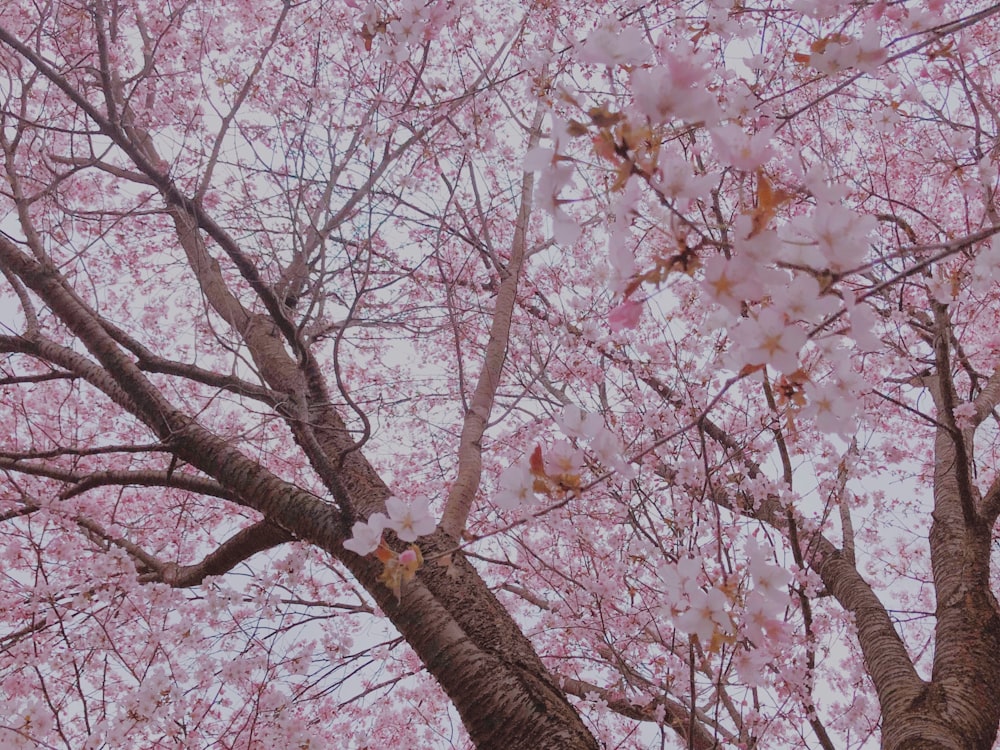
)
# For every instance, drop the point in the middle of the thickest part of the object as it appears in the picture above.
(960, 706)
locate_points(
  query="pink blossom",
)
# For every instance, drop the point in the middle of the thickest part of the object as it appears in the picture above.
(606, 47)
(763, 617)
(563, 459)
(741, 150)
(408, 557)
(732, 281)
(770, 579)
(551, 182)
(366, 536)
(965, 415)
(677, 90)
(607, 447)
(768, 339)
(986, 266)
(625, 315)
(537, 159)
(706, 614)
(576, 423)
(675, 178)
(412, 520)
(833, 236)
(801, 299)
(516, 488)
(832, 407)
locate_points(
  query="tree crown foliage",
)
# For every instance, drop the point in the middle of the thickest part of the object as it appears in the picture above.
(545, 375)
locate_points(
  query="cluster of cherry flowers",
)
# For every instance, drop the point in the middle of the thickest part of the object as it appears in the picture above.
(560, 466)
(408, 521)
(769, 310)
(776, 287)
(559, 469)
(707, 610)
(404, 27)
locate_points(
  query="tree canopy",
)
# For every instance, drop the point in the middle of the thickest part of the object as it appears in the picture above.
(499, 375)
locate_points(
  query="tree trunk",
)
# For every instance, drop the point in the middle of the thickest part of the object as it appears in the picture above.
(468, 641)
(960, 707)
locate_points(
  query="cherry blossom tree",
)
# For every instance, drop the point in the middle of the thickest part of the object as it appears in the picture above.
(540, 375)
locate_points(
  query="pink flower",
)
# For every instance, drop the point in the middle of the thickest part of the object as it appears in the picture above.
(516, 488)
(551, 182)
(771, 580)
(742, 150)
(832, 407)
(605, 47)
(410, 521)
(562, 459)
(769, 339)
(730, 281)
(706, 615)
(677, 89)
(626, 315)
(576, 423)
(408, 557)
(366, 537)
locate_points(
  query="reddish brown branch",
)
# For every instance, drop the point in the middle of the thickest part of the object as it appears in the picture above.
(241, 546)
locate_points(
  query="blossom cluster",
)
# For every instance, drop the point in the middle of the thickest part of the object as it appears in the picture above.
(708, 611)
(776, 288)
(408, 521)
(563, 461)
(779, 286)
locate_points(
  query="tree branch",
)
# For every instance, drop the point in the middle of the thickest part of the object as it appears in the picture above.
(246, 543)
(470, 451)
(660, 709)
(84, 481)
(952, 466)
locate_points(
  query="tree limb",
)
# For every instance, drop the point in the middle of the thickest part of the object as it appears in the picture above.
(470, 451)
